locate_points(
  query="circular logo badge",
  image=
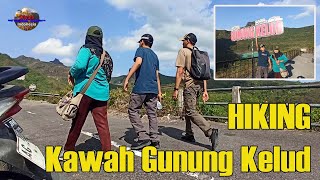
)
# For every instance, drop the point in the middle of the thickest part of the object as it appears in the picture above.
(26, 19)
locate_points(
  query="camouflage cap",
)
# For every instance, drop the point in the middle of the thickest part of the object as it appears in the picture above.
(95, 31)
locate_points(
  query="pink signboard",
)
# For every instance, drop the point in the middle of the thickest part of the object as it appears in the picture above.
(262, 30)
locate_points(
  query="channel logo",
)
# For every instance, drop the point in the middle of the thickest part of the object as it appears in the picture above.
(26, 19)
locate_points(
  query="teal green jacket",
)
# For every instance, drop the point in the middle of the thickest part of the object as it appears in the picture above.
(85, 65)
(275, 66)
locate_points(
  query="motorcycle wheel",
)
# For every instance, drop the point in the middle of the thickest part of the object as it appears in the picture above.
(6, 173)
(4, 166)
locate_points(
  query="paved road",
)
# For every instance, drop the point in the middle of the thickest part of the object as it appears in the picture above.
(43, 127)
(301, 67)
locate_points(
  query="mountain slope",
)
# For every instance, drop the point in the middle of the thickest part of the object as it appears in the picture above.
(49, 69)
(292, 38)
(57, 62)
(165, 80)
(43, 82)
(50, 77)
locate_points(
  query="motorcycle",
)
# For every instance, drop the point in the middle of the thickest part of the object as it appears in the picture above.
(19, 158)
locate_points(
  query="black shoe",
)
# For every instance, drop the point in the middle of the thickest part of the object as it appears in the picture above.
(156, 144)
(214, 139)
(188, 138)
(140, 144)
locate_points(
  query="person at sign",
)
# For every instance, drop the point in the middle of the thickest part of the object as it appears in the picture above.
(264, 62)
(278, 63)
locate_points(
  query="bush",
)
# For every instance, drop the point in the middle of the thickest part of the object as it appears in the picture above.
(169, 106)
(120, 100)
(263, 96)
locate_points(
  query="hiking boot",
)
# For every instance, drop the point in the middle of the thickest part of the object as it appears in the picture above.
(214, 139)
(188, 138)
(140, 144)
(155, 144)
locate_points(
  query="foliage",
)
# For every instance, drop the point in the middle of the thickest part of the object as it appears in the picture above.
(119, 99)
(264, 96)
(292, 38)
(43, 83)
(165, 80)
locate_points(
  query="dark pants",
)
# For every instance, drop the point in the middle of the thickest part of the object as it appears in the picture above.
(99, 113)
(277, 75)
(262, 71)
(191, 95)
(135, 105)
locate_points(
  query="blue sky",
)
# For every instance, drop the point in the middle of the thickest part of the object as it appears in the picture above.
(227, 17)
(76, 15)
(123, 22)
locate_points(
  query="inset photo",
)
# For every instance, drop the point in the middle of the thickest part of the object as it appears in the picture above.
(268, 42)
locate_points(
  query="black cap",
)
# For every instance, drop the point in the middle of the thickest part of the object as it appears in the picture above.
(191, 37)
(146, 37)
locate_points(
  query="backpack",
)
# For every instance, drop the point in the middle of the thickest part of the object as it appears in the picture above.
(107, 64)
(200, 64)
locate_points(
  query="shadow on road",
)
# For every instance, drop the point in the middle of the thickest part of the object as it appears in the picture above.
(89, 145)
(177, 133)
(301, 77)
(130, 136)
(289, 67)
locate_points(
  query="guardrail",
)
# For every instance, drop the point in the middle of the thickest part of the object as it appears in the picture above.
(245, 68)
(44, 94)
(310, 50)
(236, 95)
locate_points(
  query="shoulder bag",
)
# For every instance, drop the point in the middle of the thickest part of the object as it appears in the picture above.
(68, 106)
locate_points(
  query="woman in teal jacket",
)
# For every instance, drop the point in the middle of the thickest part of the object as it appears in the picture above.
(97, 95)
(278, 60)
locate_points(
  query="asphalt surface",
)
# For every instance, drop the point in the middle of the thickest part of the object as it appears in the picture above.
(43, 127)
(302, 67)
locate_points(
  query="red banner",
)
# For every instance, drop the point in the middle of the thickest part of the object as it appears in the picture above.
(262, 30)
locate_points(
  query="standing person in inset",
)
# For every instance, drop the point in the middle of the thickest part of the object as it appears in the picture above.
(146, 91)
(264, 62)
(192, 91)
(278, 60)
(96, 97)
